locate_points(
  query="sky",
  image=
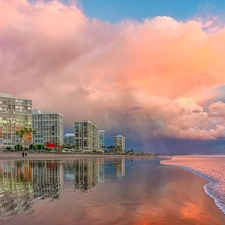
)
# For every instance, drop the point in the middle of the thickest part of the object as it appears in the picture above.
(152, 71)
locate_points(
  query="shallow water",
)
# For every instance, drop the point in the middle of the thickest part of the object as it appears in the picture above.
(212, 168)
(103, 191)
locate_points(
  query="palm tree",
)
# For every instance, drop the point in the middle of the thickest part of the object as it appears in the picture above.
(118, 149)
(33, 132)
(26, 134)
(20, 133)
(111, 148)
(30, 133)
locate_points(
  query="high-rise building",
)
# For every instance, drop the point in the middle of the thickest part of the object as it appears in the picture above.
(86, 136)
(119, 141)
(101, 140)
(48, 127)
(15, 114)
(69, 139)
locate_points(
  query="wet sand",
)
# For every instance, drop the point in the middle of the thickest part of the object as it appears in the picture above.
(149, 193)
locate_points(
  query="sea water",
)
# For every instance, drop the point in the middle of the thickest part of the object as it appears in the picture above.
(210, 167)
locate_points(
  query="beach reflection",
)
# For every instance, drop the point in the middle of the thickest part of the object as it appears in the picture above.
(26, 182)
(86, 174)
(22, 183)
(103, 191)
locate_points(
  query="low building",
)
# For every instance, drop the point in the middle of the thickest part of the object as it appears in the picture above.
(53, 147)
(69, 140)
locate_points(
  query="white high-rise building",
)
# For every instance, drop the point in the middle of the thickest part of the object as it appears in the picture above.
(15, 114)
(48, 127)
(119, 141)
(86, 136)
(101, 140)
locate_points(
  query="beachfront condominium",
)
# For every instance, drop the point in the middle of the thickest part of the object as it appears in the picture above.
(48, 127)
(15, 114)
(68, 140)
(101, 140)
(119, 141)
(86, 136)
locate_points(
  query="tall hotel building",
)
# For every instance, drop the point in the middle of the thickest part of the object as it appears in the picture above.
(15, 114)
(101, 140)
(48, 127)
(86, 136)
(119, 140)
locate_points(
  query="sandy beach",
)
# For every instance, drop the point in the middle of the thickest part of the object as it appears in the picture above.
(55, 156)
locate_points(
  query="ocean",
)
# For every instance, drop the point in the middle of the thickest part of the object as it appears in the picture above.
(211, 168)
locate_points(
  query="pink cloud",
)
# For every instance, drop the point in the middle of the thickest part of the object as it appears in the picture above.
(89, 69)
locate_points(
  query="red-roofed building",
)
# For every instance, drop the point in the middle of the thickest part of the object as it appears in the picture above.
(53, 146)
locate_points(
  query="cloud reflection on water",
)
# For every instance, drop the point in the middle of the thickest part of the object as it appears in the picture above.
(104, 191)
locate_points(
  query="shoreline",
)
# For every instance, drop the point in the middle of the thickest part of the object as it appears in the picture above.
(211, 179)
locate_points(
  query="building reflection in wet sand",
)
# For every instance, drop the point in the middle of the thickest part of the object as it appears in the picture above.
(24, 183)
(47, 179)
(85, 174)
(119, 167)
(15, 188)
(97, 191)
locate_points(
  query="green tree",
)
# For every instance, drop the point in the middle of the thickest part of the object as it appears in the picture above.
(33, 146)
(8, 148)
(111, 148)
(18, 147)
(118, 149)
(40, 146)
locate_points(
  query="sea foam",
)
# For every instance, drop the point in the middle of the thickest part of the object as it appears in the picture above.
(211, 168)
